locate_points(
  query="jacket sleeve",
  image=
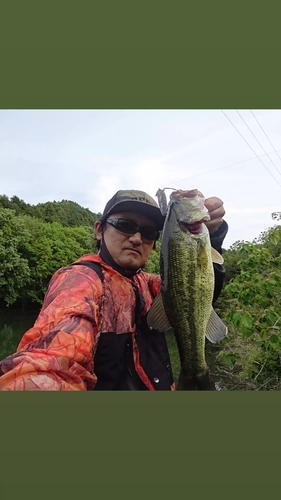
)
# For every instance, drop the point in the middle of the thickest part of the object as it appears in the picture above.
(216, 242)
(57, 352)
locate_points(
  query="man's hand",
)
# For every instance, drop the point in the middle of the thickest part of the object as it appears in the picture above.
(216, 211)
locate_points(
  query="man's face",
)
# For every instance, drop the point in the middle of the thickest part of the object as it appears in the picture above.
(130, 251)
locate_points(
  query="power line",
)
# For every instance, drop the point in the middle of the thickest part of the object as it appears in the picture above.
(258, 141)
(251, 148)
(219, 168)
(265, 134)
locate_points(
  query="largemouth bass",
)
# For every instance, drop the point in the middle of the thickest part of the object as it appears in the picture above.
(185, 301)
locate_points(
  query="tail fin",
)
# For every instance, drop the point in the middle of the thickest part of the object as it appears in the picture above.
(197, 383)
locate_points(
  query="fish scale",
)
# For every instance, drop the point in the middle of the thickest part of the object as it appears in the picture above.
(187, 293)
(185, 301)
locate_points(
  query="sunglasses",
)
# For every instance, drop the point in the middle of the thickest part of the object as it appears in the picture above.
(130, 227)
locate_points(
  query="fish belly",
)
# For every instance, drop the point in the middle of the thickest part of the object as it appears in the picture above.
(187, 299)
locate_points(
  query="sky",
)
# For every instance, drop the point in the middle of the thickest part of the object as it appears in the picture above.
(87, 155)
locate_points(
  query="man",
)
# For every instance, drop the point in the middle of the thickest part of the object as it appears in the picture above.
(91, 333)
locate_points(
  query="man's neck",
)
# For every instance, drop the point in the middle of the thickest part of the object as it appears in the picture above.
(108, 259)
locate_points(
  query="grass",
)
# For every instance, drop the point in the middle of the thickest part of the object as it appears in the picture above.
(221, 374)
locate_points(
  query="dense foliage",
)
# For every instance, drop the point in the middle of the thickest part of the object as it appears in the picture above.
(14, 269)
(67, 213)
(250, 304)
(37, 240)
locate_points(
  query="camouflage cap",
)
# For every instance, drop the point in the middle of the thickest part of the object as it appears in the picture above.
(135, 201)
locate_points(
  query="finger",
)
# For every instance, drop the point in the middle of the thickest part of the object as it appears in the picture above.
(213, 225)
(217, 214)
(213, 203)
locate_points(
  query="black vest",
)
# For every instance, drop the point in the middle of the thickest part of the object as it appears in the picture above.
(114, 364)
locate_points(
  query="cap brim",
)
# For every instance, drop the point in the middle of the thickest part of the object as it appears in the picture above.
(150, 211)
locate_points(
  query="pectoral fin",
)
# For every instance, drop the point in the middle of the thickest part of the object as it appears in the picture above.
(217, 258)
(156, 317)
(216, 329)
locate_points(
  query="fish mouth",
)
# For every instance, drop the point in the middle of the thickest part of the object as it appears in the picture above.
(194, 227)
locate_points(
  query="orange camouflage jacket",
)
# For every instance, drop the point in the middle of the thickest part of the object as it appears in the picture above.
(58, 352)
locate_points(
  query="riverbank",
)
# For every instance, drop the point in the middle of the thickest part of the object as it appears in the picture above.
(248, 363)
(222, 375)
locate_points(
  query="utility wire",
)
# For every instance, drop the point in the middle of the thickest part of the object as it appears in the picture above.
(219, 168)
(258, 141)
(276, 151)
(251, 148)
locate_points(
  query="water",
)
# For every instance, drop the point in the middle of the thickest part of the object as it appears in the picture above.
(14, 325)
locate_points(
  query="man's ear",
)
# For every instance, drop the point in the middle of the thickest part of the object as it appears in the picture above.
(98, 230)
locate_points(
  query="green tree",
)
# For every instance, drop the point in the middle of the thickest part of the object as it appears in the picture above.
(276, 215)
(253, 311)
(14, 269)
(67, 212)
(153, 263)
(271, 239)
(50, 247)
